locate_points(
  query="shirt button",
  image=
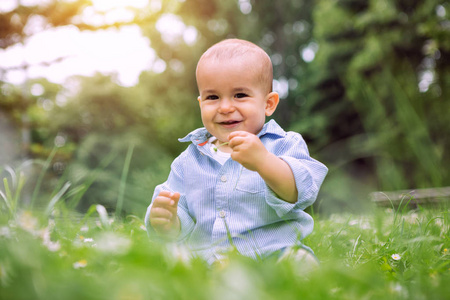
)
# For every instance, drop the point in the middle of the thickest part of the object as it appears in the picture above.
(223, 178)
(222, 214)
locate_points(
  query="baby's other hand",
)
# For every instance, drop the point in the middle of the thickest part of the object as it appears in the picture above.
(163, 214)
(248, 150)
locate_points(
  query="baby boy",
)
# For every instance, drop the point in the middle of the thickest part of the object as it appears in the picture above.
(241, 182)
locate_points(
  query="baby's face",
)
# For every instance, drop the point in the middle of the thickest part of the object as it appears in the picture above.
(232, 96)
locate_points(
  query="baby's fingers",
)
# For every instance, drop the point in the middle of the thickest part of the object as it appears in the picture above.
(166, 198)
(175, 197)
(237, 133)
(158, 222)
(160, 213)
(160, 218)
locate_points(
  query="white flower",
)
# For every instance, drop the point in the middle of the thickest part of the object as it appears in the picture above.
(396, 257)
(353, 222)
(53, 246)
(5, 232)
(113, 243)
(47, 242)
(179, 253)
(27, 222)
(80, 264)
(397, 288)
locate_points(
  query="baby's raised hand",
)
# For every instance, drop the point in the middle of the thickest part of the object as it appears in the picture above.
(163, 214)
(248, 150)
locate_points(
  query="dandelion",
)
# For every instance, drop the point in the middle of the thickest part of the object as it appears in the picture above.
(445, 251)
(396, 257)
(80, 264)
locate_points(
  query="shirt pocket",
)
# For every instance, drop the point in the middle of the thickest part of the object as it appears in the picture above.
(250, 182)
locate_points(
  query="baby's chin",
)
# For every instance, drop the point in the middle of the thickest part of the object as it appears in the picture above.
(221, 140)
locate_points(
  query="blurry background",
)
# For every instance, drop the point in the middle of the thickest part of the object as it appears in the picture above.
(82, 83)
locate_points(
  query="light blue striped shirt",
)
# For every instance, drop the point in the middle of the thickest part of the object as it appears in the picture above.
(227, 205)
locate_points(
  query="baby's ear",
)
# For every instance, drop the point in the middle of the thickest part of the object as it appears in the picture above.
(272, 100)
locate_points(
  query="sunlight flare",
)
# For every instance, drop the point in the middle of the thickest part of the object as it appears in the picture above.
(104, 5)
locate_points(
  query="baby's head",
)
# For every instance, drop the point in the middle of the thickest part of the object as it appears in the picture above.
(234, 79)
(235, 49)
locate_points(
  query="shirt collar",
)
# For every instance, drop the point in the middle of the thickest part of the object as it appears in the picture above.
(200, 136)
(273, 128)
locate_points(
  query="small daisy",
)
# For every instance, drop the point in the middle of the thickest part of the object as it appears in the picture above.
(53, 246)
(28, 222)
(113, 243)
(6, 232)
(80, 264)
(396, 257)
(46, 240)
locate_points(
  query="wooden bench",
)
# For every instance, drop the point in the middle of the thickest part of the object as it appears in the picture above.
(412, 198)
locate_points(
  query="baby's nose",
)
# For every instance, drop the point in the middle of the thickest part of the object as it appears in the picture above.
(226, 106)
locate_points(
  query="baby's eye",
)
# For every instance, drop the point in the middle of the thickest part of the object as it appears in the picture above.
(241, 95)
(211, 97)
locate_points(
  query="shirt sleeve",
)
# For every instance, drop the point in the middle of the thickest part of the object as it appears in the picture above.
(174, 183)
(308, 173)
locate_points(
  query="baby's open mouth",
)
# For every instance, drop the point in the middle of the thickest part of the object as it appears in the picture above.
(230, 122)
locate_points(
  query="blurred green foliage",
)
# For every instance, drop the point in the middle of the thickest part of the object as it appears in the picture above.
(381, 75)
(385, 254)
(365, 82)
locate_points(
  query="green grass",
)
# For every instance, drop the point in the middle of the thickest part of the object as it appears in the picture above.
(71, 257)
(56, 253)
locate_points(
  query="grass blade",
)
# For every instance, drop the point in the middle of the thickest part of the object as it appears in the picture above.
(8, 198)
(6, 202)
(13, 175)
(56, 198)
(81, 190)
(103, 214)
(123, 180)
(20, 184)
(41, 176)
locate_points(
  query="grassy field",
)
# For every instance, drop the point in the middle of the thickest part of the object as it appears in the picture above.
(56, 253)
(388, 254)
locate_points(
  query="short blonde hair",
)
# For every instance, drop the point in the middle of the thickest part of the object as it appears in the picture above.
(231, 48)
